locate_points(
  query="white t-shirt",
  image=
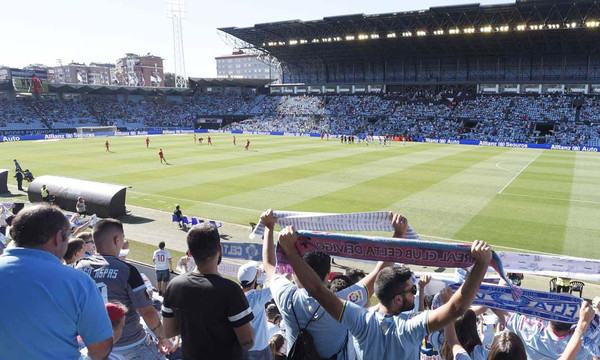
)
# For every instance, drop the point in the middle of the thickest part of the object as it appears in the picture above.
(161, 259)
(272, 329)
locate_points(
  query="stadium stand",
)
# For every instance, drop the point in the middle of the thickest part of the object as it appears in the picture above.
(551, 119)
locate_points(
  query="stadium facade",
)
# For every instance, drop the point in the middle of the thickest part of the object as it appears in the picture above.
(544, 43)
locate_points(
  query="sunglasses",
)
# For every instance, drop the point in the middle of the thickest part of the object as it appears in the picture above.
(413, 290)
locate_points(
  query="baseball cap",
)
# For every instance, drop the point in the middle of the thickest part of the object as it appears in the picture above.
(247, 272)
(115, 312)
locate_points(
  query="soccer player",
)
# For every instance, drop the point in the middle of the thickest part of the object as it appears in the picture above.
(233, 140)
(209, 141)
(147, 142)
(194, 138)
(163, 265)
(162, 157)
(247, 145)
(200, 140)
(107, 146)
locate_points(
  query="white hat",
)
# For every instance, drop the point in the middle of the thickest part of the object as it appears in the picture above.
(247, 272)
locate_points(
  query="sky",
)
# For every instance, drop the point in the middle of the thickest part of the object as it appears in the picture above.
(36, 31)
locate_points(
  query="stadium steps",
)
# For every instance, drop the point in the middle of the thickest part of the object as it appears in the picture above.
(577, 113)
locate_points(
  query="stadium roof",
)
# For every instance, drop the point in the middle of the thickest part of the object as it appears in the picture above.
(228, 82)
(527, 27)
(113, 90)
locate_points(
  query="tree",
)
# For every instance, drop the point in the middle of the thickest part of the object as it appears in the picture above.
(169, 79)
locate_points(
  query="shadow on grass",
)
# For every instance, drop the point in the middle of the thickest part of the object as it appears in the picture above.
(19, 196)
(132, 219)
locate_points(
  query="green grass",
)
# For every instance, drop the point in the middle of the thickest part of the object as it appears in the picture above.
(142, 252)
(547, 201)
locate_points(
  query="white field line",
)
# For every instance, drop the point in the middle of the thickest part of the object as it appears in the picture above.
(495, 246)
(519, 173)
(553, 198)
(501, 168)
(198, 202)
(260, 212)
(422, 235)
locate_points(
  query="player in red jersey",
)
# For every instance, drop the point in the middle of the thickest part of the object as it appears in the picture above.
(162, 157)
(234, 140)
(209, 141)
(107, 146)
(247, 144)
(200, 140)
(147, 142)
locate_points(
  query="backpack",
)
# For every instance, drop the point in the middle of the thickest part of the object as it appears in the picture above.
(304, 347)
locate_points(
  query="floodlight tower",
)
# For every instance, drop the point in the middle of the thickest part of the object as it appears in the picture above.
(176, 11)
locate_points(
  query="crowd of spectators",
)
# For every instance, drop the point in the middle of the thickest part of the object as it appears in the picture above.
(554, 119)
(96, 305)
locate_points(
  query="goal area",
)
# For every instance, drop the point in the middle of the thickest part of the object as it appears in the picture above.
(96, 129)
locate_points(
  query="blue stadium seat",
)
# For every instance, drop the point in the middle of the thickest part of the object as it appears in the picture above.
(194, 221)
(218, 225)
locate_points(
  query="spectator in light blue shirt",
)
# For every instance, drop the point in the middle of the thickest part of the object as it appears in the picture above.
(297, 306)
(387, 333)
(46, 304)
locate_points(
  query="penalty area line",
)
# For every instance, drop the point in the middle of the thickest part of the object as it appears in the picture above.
(553, 198)
(519, 173)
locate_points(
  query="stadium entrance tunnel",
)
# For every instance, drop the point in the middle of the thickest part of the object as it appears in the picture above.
(3, 181)
(102, 199)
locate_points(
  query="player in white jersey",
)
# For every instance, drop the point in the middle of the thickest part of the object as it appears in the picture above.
(163, 265)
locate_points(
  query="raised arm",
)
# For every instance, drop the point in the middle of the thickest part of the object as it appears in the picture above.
(423, 281)
(464, 296)
(586, 315)
(83, 227)
(268, 255)
(307, 276)
(400, 225)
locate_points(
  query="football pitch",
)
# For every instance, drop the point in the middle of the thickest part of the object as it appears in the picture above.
(534, 200)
